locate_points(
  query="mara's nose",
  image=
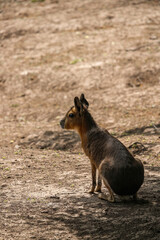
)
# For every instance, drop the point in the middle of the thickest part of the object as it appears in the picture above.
(62, 122)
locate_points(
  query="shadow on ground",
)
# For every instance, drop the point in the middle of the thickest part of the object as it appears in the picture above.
(85, 216)
(52, 140)
(153, 129)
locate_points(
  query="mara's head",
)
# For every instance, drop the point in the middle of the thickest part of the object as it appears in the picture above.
(73, 118)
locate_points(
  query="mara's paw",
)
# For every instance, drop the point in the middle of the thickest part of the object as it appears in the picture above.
(91, 191)
(98, 189)
(107, 198)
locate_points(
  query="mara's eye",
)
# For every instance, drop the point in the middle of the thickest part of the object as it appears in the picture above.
(71, 115)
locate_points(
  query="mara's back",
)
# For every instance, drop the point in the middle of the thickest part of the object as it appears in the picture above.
(101, 145)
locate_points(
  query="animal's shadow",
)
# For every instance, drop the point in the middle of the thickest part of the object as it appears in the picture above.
(87, 217)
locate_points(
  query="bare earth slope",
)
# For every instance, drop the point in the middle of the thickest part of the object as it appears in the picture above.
(50, 52)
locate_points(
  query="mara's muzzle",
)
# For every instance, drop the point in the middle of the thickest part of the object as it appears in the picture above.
(62, 123)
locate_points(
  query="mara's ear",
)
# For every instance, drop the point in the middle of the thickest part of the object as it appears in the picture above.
(78, 105)
(84, 101)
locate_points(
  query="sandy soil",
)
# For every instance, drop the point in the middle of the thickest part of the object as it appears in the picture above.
(50, 52)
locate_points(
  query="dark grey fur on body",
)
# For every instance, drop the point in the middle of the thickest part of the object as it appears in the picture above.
(123, 173)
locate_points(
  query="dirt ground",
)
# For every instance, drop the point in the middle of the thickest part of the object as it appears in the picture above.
(50, 52)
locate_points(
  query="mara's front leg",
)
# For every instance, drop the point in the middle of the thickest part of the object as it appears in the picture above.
(99, 185)
(93, 178)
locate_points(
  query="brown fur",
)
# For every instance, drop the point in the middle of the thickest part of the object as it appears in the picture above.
(120, 171)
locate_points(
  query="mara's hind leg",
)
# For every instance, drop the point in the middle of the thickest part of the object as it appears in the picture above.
(93, 178)
(103, 196)
(99, 185)
(138, 200)
(135, 197)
